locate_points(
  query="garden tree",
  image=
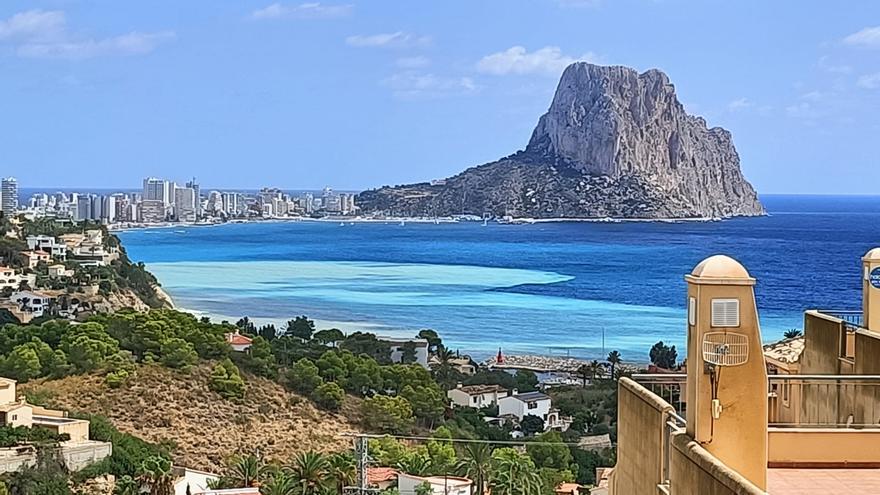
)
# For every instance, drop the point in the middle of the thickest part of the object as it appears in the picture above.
(433, 339)
(304, 376)
(387, 451)
(513, 474)
(613, 360)
(126, 485)
(179, 354)
(260, 359)
(300, 327)
(328, 337)
(245, 325)
(428, 402)
(87, 346)
(415, 462)
(526, 381)
(663, 356)
(244, 471)
(157, 475)
(551, 478)
(584, 420)
(531, 424)
(329, 396)
(332, 367)
(279, 482)
(22, 364)
(226, 380)
(423, 489)
(364, 374)
(587, 461)
(595, 369)
(310, 470)
(387, 414)
(398, 376)
(366, 343)
(47, 477)
(441, 453)
(792, 333)
(268, 332)
(408, 353)
(341, 467)
(548, 451)
(476, 464)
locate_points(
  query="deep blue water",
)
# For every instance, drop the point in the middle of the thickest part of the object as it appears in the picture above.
(526, 288)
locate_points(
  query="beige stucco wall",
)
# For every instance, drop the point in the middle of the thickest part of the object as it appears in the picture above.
(641, 424)
(792, 447)
(821, 345)
(694, 470)
(7, 391)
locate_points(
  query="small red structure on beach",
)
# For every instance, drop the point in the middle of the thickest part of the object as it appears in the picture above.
(499, 359)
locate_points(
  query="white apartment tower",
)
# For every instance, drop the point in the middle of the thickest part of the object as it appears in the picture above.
(9, 195)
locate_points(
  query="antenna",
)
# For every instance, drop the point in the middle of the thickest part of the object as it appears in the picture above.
(721, 350)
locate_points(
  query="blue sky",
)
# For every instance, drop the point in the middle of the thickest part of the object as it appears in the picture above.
(356, 94)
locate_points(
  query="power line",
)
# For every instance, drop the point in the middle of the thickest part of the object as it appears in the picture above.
(457, 440)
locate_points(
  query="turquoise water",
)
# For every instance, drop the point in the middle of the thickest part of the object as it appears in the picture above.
(544, 288)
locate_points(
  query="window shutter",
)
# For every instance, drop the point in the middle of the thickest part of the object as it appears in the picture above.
(725, 313)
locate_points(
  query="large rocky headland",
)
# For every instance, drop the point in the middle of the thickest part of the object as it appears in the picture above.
(614, 143)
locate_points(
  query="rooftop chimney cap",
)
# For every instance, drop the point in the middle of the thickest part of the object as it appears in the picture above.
(872, 255)
(720, 266)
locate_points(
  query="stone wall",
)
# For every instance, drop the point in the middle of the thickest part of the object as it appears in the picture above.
(693, 470)
(76, 456)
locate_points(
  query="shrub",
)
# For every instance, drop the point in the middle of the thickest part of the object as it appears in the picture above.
(387, 414)
(226, 380)
(329, 396)
(116, 379)
(178, 353)
(304, 376)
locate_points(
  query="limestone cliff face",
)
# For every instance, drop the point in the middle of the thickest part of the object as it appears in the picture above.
(614, 143)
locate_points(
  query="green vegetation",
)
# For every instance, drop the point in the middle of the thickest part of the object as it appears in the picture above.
(226, 380)
(10, 436)
(663, 356)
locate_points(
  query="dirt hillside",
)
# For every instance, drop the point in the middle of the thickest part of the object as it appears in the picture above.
(161, 404)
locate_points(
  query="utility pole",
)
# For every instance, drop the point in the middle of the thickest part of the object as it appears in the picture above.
(362, 455)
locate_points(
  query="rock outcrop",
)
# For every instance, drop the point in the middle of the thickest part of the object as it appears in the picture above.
(614, 143)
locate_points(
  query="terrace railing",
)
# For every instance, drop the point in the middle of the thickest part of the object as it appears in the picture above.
(668, 386)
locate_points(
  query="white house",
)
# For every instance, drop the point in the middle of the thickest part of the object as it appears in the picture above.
(522, 405)
(47, 244)
(476, 396)
(34, 257)
(32, 302)
(440, 485)
(8, 278)
(239, 342)
(58, 271)
(397, 345)
(190, 481)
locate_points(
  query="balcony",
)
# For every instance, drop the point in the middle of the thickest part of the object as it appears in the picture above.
(822, 434)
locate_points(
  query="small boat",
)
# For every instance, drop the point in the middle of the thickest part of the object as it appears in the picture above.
(403, 223)
(342, 224)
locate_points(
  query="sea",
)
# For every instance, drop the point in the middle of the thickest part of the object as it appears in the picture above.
(577, 289)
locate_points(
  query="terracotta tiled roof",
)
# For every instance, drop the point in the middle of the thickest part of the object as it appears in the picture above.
(381, 474)
(482, 389)
(568, 488)
(238, 339)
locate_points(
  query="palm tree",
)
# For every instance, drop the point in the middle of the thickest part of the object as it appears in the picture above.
(341, 467)
(514, 474)
(279, 482)
(476, 464)
(126, 485)
(594, 368)
(584, 373)
(416, 464)
(156, 474)
(792, 333)
(310, 471)
(613, 360)
(245, 471)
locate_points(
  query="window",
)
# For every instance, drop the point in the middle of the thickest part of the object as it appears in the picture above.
(532, 405)
(725, 313)
(475, 400)
(786, 391)
(14, 417)
(692, 311)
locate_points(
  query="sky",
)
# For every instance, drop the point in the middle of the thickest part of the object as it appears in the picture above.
(358, 94)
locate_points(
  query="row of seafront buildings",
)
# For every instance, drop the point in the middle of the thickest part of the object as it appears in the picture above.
(793, 417)
(162, 200)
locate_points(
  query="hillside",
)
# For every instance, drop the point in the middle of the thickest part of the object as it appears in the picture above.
(160, 404)
(614, 143)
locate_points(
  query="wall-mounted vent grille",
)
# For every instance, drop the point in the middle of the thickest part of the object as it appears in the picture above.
(725, 313)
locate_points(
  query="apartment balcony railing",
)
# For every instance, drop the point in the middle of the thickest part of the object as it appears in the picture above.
(852, 319)
(796, 401)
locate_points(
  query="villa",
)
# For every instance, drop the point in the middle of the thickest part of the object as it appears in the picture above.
(47, 244)
(798, 416)
(77, 452)
(440, 485)
(420, 347)
(532, 404)
(35, 303)
(32, 258)
(476, 396)
(239, 342)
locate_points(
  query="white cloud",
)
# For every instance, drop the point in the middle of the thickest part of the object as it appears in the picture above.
(868, 38)
(826, 65)
(413, 62)
(411, 84)
(312, 10)
(44, 34)
(739, 104)
(869, 81)
(813, 95)
(389, 40)
(517, 60)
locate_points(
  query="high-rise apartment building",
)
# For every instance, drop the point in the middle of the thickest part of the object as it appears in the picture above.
(197, 192)
(184, 204)
(9, 195)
